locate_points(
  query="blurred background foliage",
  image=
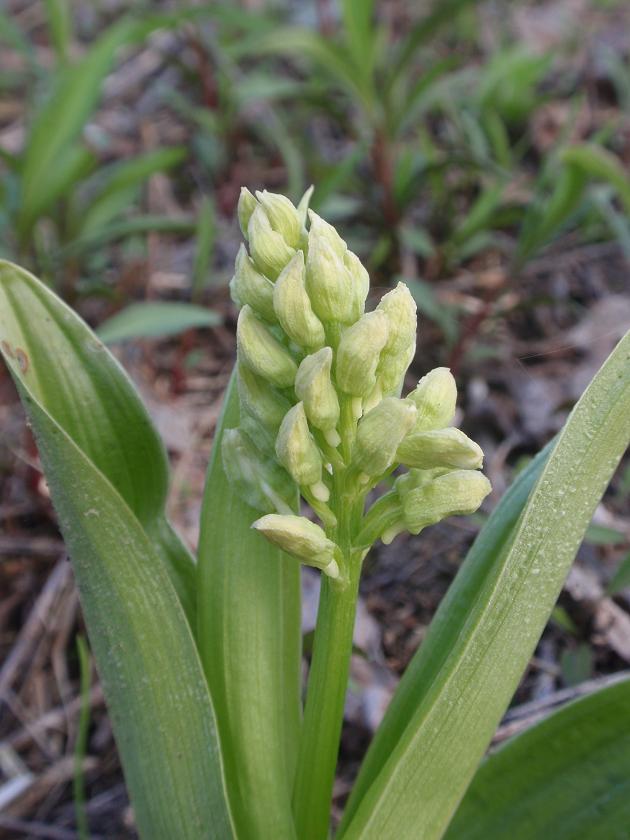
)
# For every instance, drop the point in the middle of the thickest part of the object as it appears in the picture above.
(438, 135)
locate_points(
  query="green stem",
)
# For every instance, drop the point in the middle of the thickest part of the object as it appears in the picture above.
(323, 715)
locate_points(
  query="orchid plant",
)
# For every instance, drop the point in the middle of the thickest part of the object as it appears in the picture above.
(317, 456)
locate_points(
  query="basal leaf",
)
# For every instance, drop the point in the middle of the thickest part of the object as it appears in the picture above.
(464, 675)
(249, 639)
(567, 777)
(75, 379)
(155, 688)
(107, 473)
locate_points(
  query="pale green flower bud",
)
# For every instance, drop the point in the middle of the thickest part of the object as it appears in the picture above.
(314, 387)
(248, 286)
(392, 369)
(261, 352)
(400, 308)
(379, 434)
(398, 353)
(359, 352)
(269, 250)
(328, 282)
(260, 482)
(283, 216)
(258, 398)
(298, 453)
(246, 206)
(413, 479)
(323, 230)
(435, 397)
(456, 493)
(302, 539)
(293, 306)
(440, 448)
(360, 282)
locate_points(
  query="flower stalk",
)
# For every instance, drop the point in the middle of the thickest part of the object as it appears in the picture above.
(320, 409)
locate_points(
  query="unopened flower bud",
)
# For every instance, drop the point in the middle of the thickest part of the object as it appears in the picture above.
(435, 397)
(246, 206)
(298, 453)
(269, 250)
(262, 352)
(293, 306)
(456, 493)
(248, 286)
(360, 280)
(314, 387)
(260, 399)
(413, 479)
(283, 216)
(392, 369)
(359, 352)
(302, 539)
(440, 448)
(323, 230)
(260, 482)
(380, 432)
(328, 281)
(400, 308)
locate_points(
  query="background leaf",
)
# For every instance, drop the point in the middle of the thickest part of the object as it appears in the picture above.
(250, 644)
(566, 778)
(154, 319)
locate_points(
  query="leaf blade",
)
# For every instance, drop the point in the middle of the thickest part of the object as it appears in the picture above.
(86, 392)
(456, 713)
(250, 646)
(567, 777)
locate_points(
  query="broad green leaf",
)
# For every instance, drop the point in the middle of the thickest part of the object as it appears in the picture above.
(79, 384)
(463, 676)
(120, 184)
(155, 319)
(566, 778)
(158, 698)
(446, 625)
(249, 641)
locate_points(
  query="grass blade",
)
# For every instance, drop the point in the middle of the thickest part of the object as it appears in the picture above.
(249, 640)
(566, 778)
(154, 319)
(463, 677)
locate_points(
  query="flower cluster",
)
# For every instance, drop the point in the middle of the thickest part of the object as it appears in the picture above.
(319, 382)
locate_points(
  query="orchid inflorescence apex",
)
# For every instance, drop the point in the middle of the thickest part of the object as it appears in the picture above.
(319, 382)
